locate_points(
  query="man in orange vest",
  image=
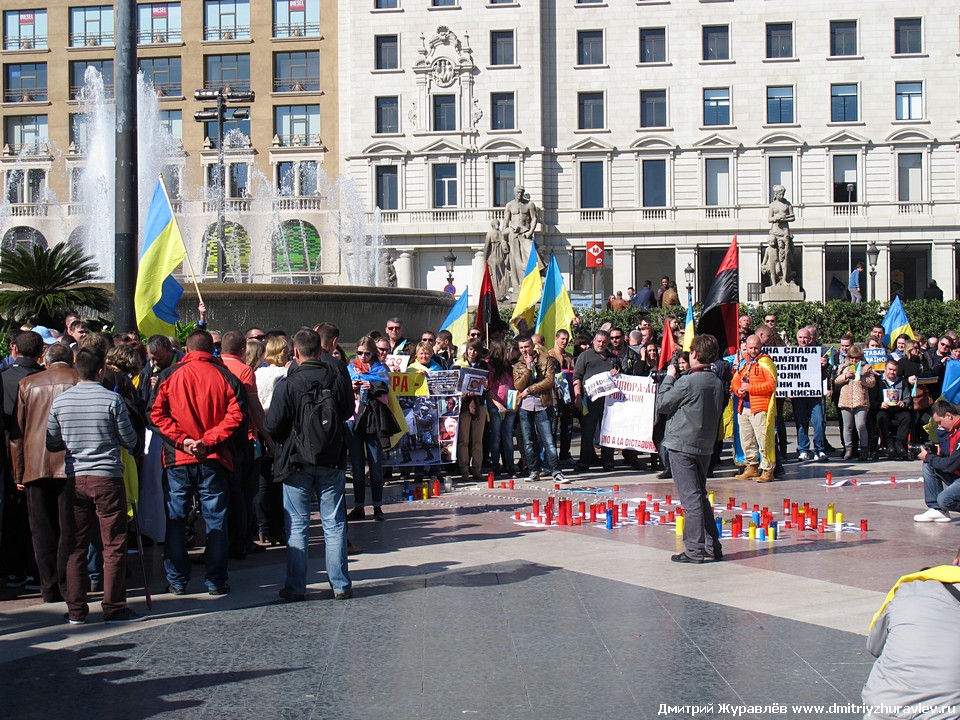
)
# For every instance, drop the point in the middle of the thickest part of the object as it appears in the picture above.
(754, 389)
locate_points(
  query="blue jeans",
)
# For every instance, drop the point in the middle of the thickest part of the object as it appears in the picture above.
(501, 437)
(946, 499)
(538, 421)
(329, 485)
(210, 481)
(807, 412)
(366, 450)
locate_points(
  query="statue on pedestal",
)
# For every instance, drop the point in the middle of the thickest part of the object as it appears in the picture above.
(389, 271)
(778, 258)
(519, 220)
(496, 255)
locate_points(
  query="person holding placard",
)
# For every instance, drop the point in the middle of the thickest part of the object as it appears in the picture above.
(894, 418)
(808, 411)
(855, 378)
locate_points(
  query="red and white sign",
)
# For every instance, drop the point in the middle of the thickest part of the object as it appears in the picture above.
(159, 11)
(594, 253)
(26, 18)
(300, 5)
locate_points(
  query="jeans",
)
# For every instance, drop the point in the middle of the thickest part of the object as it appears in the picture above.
(936, 496)
(501, 438)
(366, 450)
(807, 412)
(329, 485)
(538, 421)
(209, 480)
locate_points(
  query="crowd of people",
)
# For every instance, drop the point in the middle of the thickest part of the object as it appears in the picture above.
(232, 415)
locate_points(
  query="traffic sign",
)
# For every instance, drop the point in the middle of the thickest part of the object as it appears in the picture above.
(594, 253)
(450, 289)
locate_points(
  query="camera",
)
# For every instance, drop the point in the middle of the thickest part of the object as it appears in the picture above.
(931, 448)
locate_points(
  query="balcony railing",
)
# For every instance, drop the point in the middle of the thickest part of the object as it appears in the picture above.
(28, 209)
(91, 39)
(37, 147)
(653, 213)
(75, 91)
(306, 202)
(297, 140)
(296, 30)
(153, 37)
(227, 85)
(596, 215)
(232, 205)
(228, 32)
(25, 95)
(295, 85)
(912, 208)
(37, 42)
(168, 89)
(848, 209)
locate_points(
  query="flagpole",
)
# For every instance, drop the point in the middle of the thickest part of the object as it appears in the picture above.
(186, 252)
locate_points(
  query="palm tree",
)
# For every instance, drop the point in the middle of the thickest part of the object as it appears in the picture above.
(49, 284)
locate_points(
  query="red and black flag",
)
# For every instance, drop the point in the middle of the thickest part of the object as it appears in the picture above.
(721, 306)
(668, 346)
(488, 314)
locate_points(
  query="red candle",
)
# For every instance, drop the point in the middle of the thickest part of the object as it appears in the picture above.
(656, 507)
(516, 515)
(863, 526)
(511, 484)
(671, 516)
(893, 479)
(490, 479)
(743, 506)
(623, 510)
(649, 497)
(536, 507)
(582, 507)
(616, 488)
(593, 513)
(669, 499)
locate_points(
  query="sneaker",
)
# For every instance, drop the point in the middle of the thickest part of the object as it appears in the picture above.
(127, 615)
(15, 581)
(343, 594)
(216, 590)
(356, 514)
(559, 479)
(932, 515)
(804, 457)
(534, 476)
(822, 457)
(378, 514)
(684, 558)
(176, 590)
(73, 620)
(32, 583)
(291, 596)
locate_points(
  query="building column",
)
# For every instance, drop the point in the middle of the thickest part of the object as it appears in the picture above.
(883, 273)
(476, 267)
(622, 270)
(943, 267)
(750, 265)
(683, 257)
(812, 260)
(404, 267)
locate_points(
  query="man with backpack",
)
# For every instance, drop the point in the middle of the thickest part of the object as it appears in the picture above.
(306, 419)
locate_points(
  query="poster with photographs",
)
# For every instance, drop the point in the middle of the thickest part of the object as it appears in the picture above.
(472, 381)
(432, 420)
(443, 382)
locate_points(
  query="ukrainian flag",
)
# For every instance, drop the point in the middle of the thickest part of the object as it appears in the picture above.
(157, 293)
(688, 331)
(895, 323)
(458, 320)
(556, 311)
(530, 290)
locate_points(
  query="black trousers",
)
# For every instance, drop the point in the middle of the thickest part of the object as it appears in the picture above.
(588, 429)
(895, 427)
(48, 506)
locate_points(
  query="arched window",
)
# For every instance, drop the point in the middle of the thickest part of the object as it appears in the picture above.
(236, 252)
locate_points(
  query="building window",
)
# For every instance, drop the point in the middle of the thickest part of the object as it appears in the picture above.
(653, 108)
(654, 183)
(843, 103)
(908, 39)
(443, 3)
(843, 38)
(25, 132)
(653, 45)
(24, 29)
(388, 187)
(717, 176)
(780, 104)
(159, 23)
(589, 47)
(590, 111)
(387, 52)
(78, 70)
(172, 122)
(25, 82)
(296, 18)
(504, 181)
(716, 106)
(501, 47)
(588, 2)
(502, 111)
(909, 101)
(226, 19)
(591, 184)
(444, 185)
(780, 173)
(388, 115)
(716, 42)
(386, 4)
(91, 26)
(845, 179)
(26, 187)
(297, 124)
(444, 113)
(164, 74)
(227, 72)
(779, 40)
(232, 127)
(296, 71)
(909, 177)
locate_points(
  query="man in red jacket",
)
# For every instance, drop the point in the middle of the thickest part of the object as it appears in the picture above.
(197, 408)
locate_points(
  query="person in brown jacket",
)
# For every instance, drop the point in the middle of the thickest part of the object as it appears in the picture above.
(533, 378)
(40, 473)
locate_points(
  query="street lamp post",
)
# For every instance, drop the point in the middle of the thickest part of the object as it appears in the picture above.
(849, 231)
(690, 274)
(451, 262)
(873, 254)
(222, 96)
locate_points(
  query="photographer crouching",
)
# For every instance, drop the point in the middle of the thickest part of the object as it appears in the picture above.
(941, 466)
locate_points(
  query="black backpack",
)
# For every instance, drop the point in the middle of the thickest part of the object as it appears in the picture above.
(318, 434)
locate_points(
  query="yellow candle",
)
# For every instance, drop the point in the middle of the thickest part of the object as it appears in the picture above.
(830, 517)
(839, 518)
(680, 521)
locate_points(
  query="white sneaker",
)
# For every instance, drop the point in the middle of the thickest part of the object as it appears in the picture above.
(803, 457)
(932, 515)
(822, 457)
(559, 479)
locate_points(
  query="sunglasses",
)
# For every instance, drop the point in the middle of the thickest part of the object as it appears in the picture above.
(383, 349)
(256, 337)
(616, 337)
(393, 327)
(474, 335)
(363, 353)
(946, 345)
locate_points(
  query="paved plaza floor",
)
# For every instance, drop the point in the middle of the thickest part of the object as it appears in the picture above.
(461, 612)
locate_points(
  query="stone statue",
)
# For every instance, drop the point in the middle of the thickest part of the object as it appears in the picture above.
(519, 220)
(496, 254)
(778, 259)
(389, 271)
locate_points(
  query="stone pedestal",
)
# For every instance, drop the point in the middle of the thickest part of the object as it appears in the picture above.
(783, 294)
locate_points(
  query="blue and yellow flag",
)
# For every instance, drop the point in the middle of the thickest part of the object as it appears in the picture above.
(157, 293)
(458, 319)
(688, 328)
(556, 310)
(530, 290)
(895, 323)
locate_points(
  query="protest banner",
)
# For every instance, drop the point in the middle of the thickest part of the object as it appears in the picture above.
(431, 409)
(629, 414)
(397, 363)
(798, 370)
(875, 358)
(600, 385)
